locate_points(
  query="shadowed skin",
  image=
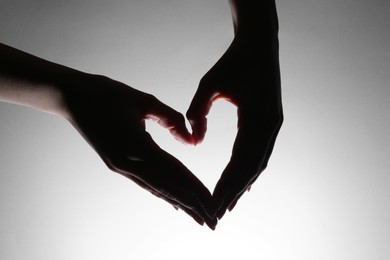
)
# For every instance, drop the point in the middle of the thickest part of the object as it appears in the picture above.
(111, 115)
(248, 76)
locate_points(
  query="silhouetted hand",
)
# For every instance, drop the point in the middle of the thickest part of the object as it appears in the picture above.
(248, 76)
(110, 116)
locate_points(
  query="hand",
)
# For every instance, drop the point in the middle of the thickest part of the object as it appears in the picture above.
(110, 116)
(248, 76)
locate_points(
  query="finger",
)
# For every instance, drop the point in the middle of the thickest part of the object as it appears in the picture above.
(249, 151)
(234, 203)
(264, 165)
(174, 203)
(170, 119)
(230, 189)
(186, 189)
(271, 145)
(168, 176)
(194, 215)
(168, 198)
(199, 109)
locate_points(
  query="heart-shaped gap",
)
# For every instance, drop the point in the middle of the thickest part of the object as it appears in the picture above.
(208, 159)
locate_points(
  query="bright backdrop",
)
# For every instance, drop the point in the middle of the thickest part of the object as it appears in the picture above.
(324, 195)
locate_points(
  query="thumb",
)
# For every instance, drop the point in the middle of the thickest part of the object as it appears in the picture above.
(199, 109)
(170, 119)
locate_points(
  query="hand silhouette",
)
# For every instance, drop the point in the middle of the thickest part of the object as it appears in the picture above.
(248, 76)
(111, 115)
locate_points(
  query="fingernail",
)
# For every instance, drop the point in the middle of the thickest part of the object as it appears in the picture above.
(199, 221)
(231, 207)
(221, 213)
(212, 223)
(212, 227)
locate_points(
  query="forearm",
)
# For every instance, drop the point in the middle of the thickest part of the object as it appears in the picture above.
(254, 19)
(31, 81)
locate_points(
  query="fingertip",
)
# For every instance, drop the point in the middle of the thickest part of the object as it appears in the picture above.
(199, 136)
(172, 120)
(223, 206)
(184, 139)
(182, 135)
(199, 128)
(192, 140)
(198, 219)
(197, 113)
(211, 223)
(232, 205)
(221, 213)
(212, 226)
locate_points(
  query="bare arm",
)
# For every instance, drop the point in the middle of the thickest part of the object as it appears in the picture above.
(31, 81)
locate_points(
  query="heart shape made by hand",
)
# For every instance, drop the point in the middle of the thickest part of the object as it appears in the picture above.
(213, 154)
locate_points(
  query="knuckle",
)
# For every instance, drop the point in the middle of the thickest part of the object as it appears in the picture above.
(191, 114)
(121, 164)
(197, 111)
(210, 78)
(179, 118)
(280, 118)
(264, 166)
(204, 81)
(150, 99)
(147, 99)
(276, 120)
(113, 164)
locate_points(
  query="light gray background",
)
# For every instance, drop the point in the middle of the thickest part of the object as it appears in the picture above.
(324, 195)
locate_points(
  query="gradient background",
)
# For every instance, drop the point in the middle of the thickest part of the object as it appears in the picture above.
(325, 192)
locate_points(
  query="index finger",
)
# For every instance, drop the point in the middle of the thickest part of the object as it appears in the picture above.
(170, 119)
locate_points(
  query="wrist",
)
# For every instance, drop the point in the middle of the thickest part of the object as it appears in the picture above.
(262, 47)
(68, 85)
